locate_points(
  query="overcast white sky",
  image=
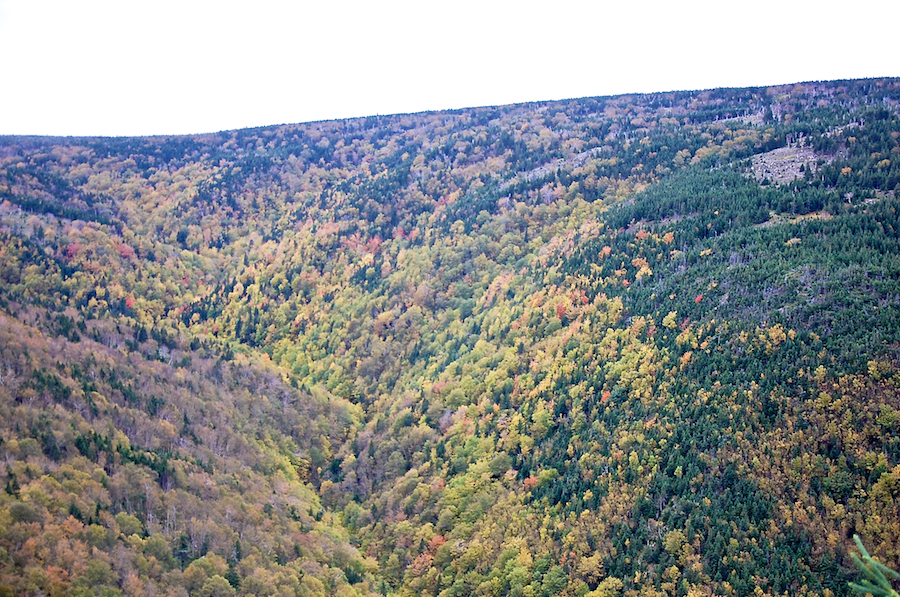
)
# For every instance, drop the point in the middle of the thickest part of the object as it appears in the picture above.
(138, 67)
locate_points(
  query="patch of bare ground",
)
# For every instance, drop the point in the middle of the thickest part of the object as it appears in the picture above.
(878, 196)
(644, 224)
(785, 164)
(573, 161)
(756, 119)
(775, 219)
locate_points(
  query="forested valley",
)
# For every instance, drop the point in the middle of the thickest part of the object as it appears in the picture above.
(642, 345)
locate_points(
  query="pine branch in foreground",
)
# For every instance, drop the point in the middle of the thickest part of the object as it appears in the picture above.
(877, 574)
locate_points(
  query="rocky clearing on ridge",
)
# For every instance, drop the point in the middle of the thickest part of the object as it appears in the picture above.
(785, 164)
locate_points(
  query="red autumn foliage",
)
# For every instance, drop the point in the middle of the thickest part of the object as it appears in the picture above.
(436, 542)
(125, 251)
(421, 564)
(374, 243)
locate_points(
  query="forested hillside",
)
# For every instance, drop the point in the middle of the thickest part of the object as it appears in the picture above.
(637, 345)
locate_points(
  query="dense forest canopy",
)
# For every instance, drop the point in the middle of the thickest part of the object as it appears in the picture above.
(637, 345)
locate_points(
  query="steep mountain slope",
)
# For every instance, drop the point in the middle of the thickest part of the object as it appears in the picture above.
(633, 345)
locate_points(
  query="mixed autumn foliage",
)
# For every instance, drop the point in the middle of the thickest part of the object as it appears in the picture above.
(594, 347)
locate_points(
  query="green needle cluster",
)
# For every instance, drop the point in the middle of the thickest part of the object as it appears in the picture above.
(877, 574)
